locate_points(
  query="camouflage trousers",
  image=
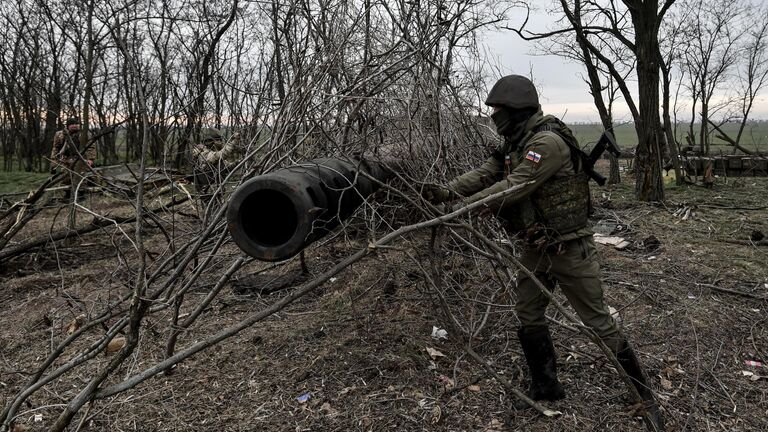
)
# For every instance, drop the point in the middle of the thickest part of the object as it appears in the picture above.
(577, 272)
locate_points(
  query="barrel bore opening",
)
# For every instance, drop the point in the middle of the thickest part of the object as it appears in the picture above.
(269, 217)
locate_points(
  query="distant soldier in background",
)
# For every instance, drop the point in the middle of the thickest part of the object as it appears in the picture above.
(212, 160)
(69, 154)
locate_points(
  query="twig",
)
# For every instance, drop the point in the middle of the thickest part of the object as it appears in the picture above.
(734, 292)
(748, 242)
(731, 207)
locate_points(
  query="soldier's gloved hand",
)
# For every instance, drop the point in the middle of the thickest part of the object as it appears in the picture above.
(435, 194)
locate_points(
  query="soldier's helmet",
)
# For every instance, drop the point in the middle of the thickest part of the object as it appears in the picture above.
(211, 136)
(72, 121)
(514, 92)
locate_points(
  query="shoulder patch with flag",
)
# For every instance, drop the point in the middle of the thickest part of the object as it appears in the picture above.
(533, 156)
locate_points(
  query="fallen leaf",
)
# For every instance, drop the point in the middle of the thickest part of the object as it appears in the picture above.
(495, 426)
(434, 353)
(437, 413)
(328, 410)
(474, 388)
(76, 323)
(550, 413)
(666, 384)
(115, 345)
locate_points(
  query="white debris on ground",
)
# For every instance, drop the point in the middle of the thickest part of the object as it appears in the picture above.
(617, 242)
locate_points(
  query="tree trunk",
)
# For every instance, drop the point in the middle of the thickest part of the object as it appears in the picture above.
(648, 181)
(704, 142)
(671, 141)
(53, 102)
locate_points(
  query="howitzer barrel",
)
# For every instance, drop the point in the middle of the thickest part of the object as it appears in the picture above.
(274, 216)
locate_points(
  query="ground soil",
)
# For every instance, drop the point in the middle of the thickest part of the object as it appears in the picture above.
(356, 348)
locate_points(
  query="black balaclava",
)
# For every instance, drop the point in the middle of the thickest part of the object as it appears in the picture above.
(511, 124)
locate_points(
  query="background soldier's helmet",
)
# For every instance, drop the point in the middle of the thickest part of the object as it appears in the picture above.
(514, 92)
(210, 136)
(73, 121)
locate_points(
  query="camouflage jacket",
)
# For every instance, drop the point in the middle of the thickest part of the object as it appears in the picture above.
(542, 158)
(66, 148)
(205, 157)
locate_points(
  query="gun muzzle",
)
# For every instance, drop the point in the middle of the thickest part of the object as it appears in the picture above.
(274, 216)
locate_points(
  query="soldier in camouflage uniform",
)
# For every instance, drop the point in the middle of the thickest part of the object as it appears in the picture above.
(70, 154)
(550, 215)
(67, 150)
(211, 161)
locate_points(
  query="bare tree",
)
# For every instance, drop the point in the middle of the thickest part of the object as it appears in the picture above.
(600, 82)
(711, 51)
(669, 57)
(634, 25)
(752, 77)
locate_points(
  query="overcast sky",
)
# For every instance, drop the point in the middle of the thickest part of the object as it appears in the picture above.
(562, 89)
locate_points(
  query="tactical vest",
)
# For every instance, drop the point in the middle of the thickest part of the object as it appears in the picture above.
(560, 205)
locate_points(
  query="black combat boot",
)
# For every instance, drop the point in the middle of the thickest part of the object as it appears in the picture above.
(540, 356)
(631, 365)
